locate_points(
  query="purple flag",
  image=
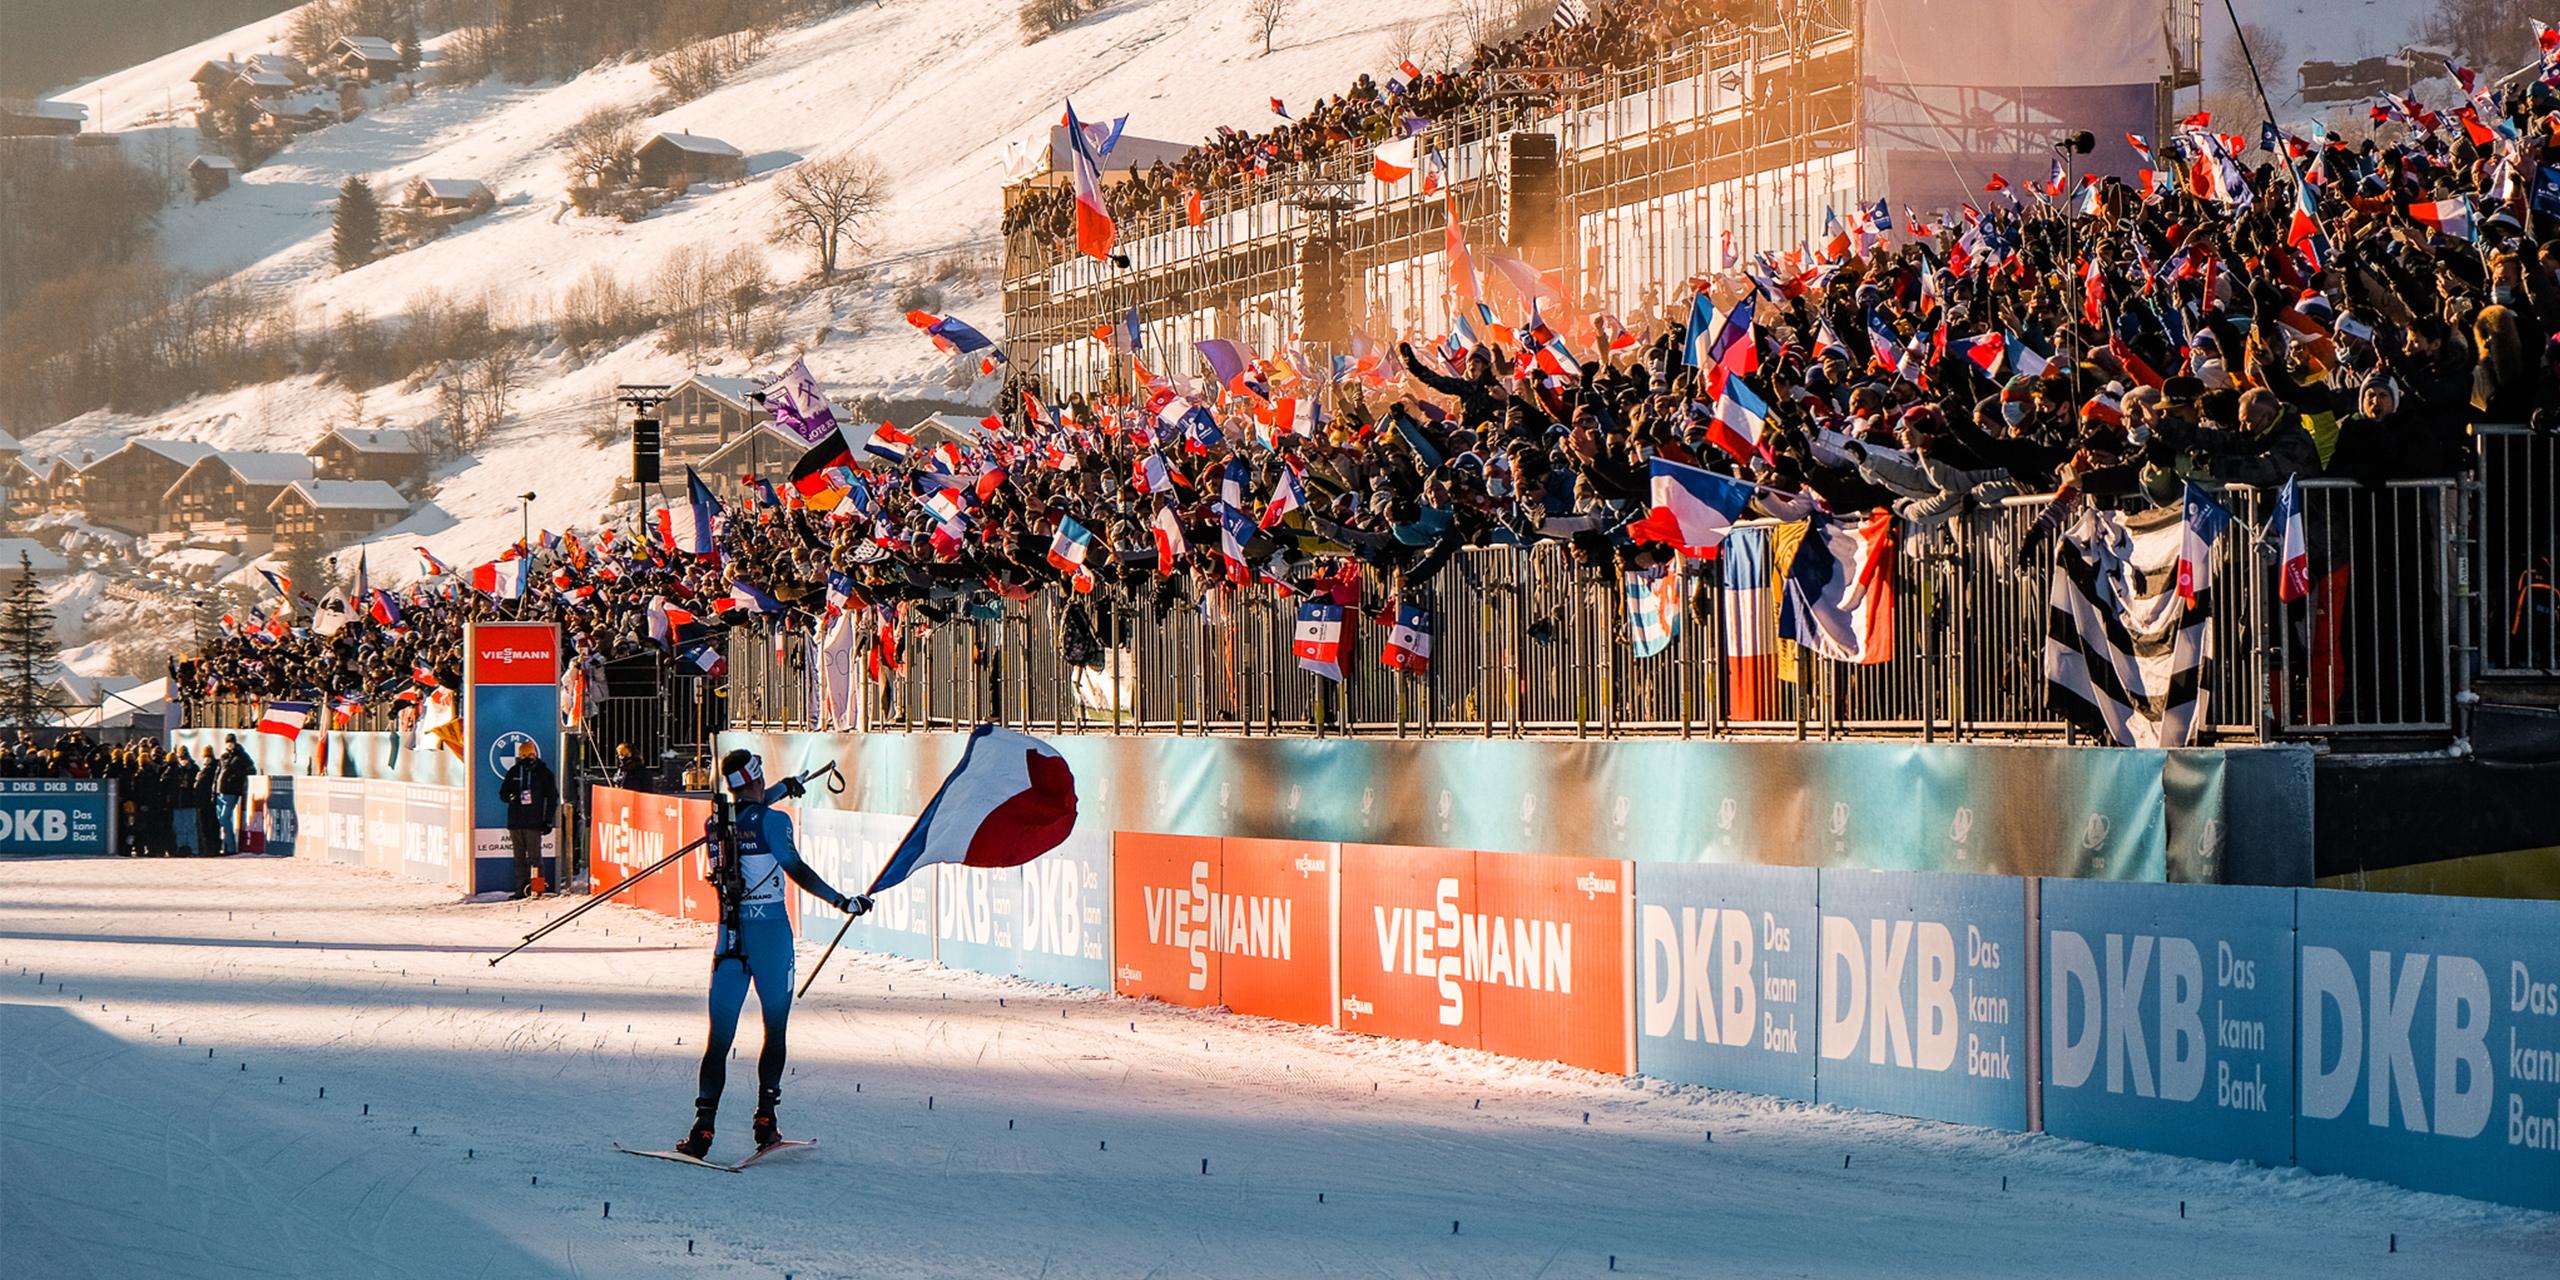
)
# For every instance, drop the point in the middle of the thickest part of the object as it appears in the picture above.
(795, 401)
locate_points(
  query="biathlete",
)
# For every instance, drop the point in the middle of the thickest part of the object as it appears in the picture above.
(756, 947)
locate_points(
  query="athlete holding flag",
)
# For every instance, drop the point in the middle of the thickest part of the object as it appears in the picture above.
(755, 944)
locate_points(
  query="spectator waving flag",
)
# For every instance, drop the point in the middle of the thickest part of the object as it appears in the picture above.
(1740, 421)
(890, 443)
(1069, 549)
(1692, 508)
(1287, 495)
(1011, 799)
(1408, 647)
(795, 401)
(1744, 616)
(1094, 229)
(1170, 544)
(1395, 161)
(2293, 549)
(503, 579)
(1654, 607)
(1235, 532)
(343, 710)
(285, 719)
(429, 566)
(1318, 641)
(1839, 590)
(689, 530)
(2445, 217)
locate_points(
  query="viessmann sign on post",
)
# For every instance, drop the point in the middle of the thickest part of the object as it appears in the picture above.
(513, 697)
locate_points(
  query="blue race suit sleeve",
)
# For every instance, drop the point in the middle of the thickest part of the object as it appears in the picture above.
(786, 854)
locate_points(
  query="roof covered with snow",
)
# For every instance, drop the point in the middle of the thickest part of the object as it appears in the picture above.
(264, 468)
(183, 452)
(454, 188)
(46, 109)
(376, 440)
(695, 144)
(373, 48)
(8, 443)
(344, 495)
(211, 161)
(733, 390)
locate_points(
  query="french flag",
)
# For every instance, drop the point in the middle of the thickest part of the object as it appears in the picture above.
(1012, 799)
(1750, 693)
(690, 533)
(1170, 544)
(1317, 643)
(1739, 422)
(1692, 508)
(1839, 592)
(1235, 532)
(890, 443)
(1987, 351)
(2293, 556)
(1395, 161)
(503, 579)
(2445, 217)
(1286, 496)
(1094, 229)
(285, 719)
(1069, 550)
(385, 610)
(2203, 521)
(429, 566)
(1408, 647)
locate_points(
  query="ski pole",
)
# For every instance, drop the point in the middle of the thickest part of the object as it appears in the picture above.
(599, 899)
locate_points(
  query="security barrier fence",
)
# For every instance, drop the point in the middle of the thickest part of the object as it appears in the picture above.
(1529, 641)
(2519, 535)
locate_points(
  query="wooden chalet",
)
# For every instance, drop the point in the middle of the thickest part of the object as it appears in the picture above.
(394, 457)
(210, 175)
(678, 160)
(40, 118)
(704, 413)
(322, 514)
(371, 59)
(447, 195)
(230, 493)
(125, 489)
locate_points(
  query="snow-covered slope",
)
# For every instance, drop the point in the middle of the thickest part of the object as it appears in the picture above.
(931, 89)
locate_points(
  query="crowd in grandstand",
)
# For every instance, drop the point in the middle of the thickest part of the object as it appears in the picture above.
(1223, 169)
(2106, 344)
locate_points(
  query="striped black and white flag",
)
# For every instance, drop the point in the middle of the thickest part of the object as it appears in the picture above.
(2124, 653)
(1571, 13)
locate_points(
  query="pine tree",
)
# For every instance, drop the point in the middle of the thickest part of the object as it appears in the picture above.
(358, 237)
(27, 650)
(410, 53)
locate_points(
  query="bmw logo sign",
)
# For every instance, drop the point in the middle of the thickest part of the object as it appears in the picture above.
(502, 753)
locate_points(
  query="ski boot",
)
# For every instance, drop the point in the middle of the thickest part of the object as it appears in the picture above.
(768, 1131)
(698, 1143)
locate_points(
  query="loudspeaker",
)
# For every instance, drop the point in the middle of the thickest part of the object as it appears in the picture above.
(1323, 294)
(644, 450)
(1532, 190)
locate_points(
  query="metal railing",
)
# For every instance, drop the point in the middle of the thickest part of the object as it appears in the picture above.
(2518, 523)
(1530, 643)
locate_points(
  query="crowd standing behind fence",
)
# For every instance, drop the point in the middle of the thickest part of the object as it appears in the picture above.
(1135, 557)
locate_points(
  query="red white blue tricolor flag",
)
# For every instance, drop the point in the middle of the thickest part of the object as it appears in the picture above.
(2203, 521)
(689, 530)
(2293, 549)
(1654, 607)
(1692, 508)
(1069, 549)
(1318, 642)
(1408, 647)
(1094, 229)
(1839, 590)
(285, 719)
(1012, 799)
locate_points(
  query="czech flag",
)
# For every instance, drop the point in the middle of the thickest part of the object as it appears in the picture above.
(1839, 590)
(1692, 508)
(1094, 229)
(1012, 799)
(1069, 550)
(1408, 647)
(1318, 642)
(285, 719)
(2293, 558)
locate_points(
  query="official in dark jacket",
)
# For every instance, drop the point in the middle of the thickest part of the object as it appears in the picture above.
(532, 797)
(231, 792)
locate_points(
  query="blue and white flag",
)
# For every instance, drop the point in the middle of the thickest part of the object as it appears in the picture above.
(1654, 607)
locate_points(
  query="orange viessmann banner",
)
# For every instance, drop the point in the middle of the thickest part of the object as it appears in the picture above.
(1520, 954)
(631, 830)
(1163, 889)
(1272, 929)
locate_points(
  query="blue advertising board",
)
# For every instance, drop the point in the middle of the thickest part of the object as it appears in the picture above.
(1923, 993)
(1048, 920)
(2430, 1051)
(57, 816)
(511, 700)
(847, 849)
(2169, 1018)
(1724, 968)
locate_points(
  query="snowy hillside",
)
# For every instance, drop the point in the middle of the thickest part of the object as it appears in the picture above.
(931, 89)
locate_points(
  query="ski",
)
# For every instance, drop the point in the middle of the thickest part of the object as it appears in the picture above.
(681, 1158)
(783, 1145)
(677, 1156)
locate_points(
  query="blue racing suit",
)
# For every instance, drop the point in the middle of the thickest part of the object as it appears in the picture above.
(760, 951)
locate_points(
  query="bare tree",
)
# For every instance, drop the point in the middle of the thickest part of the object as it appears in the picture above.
(1266, 17)
(2266, 45)
(2489, 33)
(602, 147)
(823, 204)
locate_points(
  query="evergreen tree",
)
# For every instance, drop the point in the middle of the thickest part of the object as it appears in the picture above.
(27, 650)
(410, 53)
(358, 238)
